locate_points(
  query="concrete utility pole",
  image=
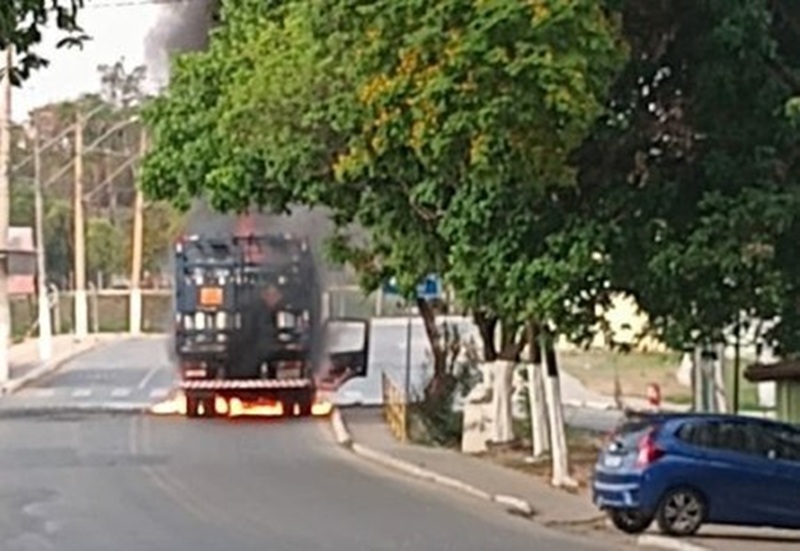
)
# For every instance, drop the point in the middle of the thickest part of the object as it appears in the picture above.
(45, 341)
(136, 260)
(81, 306)
(5, 175)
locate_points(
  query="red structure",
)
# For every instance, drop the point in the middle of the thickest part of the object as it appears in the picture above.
(21, 261)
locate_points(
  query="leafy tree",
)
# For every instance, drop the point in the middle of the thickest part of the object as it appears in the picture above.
(104, 255)
(692, 178)
(413, 155)
(21, 23)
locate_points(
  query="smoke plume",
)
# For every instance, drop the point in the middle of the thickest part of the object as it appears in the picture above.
(181, 27)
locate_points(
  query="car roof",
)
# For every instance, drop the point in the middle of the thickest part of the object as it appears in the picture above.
(663, 417)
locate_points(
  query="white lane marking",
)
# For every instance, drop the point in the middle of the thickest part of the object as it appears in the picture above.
(147, 378)
(82, 393)
(120, 392)
(40, 392)
(159, 393)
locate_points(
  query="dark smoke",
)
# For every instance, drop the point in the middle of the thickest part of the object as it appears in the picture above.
(313, 224)
(181, 27)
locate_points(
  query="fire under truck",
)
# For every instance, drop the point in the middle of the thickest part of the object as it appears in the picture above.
(248, 324)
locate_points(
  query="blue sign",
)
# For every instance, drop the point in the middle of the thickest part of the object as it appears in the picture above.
(429, 289)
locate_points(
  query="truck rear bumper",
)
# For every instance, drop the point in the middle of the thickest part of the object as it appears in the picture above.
(253, 390)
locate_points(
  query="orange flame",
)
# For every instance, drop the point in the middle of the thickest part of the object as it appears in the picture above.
(176, 405)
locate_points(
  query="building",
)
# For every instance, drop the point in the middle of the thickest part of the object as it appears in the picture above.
(21, 262)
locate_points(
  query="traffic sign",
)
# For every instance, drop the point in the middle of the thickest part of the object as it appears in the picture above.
(429, 289)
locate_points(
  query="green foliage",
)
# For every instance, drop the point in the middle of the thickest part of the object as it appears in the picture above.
(541, 155)
(22, 23)
(692, 176)
(103, 251)
(447, 143)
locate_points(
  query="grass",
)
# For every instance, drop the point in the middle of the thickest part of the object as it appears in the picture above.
(596, 369)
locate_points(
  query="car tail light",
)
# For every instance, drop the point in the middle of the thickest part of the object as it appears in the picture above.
(649, 452)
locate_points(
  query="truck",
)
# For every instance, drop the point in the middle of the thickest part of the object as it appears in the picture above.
(248, 324)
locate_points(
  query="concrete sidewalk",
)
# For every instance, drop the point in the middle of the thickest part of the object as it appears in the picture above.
(550, 505)
(25, 365)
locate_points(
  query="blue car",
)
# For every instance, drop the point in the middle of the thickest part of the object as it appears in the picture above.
(684, 470)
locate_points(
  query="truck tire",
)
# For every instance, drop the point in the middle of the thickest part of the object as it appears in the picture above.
(192, 406)
(193, 403)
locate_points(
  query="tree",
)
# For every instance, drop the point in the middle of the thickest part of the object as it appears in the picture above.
(21, 23)
(243, 142)
(104, 255)
(696, 141)
(109, 176)
(449, 153)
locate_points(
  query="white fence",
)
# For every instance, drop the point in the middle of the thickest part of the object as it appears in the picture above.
(109, 309)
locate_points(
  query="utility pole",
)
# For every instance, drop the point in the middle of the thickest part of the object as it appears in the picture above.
(45, 341)
(81, 306)
(135, 308)
(5, 176)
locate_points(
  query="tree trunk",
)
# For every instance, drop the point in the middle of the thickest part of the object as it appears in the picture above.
(502, 409)
(503, 388)
(558, 436)
(487, 325)
(540, 430)
(439, 383)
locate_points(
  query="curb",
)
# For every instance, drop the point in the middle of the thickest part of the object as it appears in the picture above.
(664, 542)
(109, 407)
(47, 368)
(583, 404)
(512, 504)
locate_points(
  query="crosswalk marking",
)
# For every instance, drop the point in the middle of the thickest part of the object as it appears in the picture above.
(159, 393)
(120, 392)
(82, 393)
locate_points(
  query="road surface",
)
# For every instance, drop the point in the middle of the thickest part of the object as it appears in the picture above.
(93, 481)
(136, 373)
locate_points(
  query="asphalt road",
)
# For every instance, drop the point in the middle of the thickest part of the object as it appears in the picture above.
(85, 482)
(125, 373)
(139, 372)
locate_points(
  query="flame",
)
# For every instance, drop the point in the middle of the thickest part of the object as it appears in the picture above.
(176, 405)
(321, 409)
(171, 406)
(237, 408)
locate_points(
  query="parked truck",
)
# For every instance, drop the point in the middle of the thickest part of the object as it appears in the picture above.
(248, 324)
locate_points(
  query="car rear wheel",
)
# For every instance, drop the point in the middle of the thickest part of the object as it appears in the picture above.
(630, 521)
(681, 513)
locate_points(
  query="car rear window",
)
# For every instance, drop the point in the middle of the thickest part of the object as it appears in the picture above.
(630, 433)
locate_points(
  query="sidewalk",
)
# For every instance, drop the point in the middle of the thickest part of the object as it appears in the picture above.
(551, 506)
(24, 363)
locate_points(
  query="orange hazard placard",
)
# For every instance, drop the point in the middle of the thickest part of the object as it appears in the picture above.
(211, 296)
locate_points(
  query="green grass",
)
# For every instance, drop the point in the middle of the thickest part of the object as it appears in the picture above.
(596, 369)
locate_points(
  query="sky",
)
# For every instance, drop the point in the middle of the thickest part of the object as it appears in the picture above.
(118, 29)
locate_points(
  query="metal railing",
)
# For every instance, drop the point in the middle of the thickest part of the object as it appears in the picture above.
(395, 408)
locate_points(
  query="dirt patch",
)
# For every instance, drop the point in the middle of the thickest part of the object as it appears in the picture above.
(583, 449)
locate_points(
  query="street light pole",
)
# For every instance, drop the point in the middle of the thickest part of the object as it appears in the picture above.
(45, 341)
(5, 175)
(81, 306)
(136, 252)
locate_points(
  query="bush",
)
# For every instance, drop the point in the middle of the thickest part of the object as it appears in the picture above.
(435, 420)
